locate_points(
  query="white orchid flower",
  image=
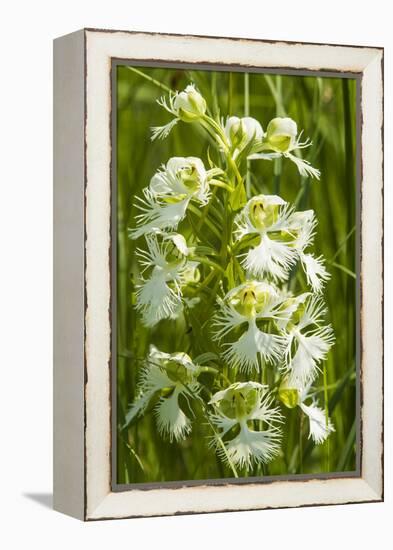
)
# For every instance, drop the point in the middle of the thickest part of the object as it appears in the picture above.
(292, 395)
(302, 225)
(236, 408)
(282, 138)
(267, 217)
(160, 295)
(171, 189)
(307, 341)
(174, 375)
(188, 106)
(240, 131)
(250, 304)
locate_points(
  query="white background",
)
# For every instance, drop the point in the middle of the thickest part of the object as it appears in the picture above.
(27, 30)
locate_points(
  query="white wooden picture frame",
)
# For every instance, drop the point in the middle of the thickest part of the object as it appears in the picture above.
(82, 255)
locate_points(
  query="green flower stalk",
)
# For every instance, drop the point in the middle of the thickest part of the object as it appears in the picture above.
(208, 246)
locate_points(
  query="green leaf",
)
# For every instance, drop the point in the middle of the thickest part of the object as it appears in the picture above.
(205, 251)
(209, 160)
(238, 198)
(206, 357)
(348, 448)
(229, 275)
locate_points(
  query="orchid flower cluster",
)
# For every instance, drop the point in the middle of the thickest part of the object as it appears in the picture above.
(211, 249)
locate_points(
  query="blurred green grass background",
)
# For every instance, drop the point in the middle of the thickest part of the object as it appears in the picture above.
(325, 108)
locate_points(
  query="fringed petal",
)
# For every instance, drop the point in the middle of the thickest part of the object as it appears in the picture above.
(171, 420)
(162, 132)
(314, 313)
(312, 348)
(270, 257)
(253, 447)
(252, 346)
(156, 300)
(226, 320)
(320, 427)
(157, 215)
(315, 271)
(265, 411)
(304, 166)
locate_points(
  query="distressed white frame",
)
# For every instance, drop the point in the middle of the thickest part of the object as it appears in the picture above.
(95, 499)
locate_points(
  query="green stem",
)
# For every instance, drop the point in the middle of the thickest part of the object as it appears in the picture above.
(301, 442)
(214, 94)
(280, 111)
(150, 79)
(299, 195)
(230, 93)
(222, 445)
(221, 184)
(270, 83)
(343, 243)
(347, 448)
(344, 269)
(216, 435)
(206, 210)
(246, 94)
(277, 175)
(206, 261)
(209, 278)
(215, 131)
(333, 386)
(234, 167)
(239, 270)
(247, 113)
(326, 398)
(276, 91)
(207, 221)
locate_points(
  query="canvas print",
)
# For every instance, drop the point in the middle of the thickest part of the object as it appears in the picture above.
(235, 274)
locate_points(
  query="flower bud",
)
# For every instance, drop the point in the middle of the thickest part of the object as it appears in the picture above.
(234, 130)
(281, 134)
(240, 131)
(289, 396)
(189, 104)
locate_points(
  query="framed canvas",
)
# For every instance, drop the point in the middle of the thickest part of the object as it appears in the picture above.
(218, 266)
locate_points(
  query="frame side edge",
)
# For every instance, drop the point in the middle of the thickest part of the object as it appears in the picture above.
(68, 271)
(373, 273)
